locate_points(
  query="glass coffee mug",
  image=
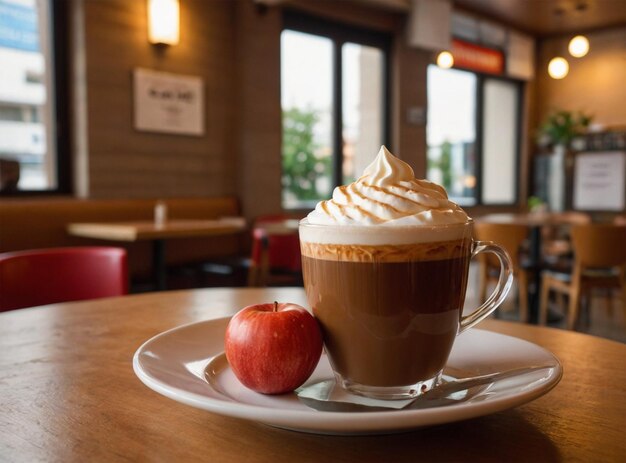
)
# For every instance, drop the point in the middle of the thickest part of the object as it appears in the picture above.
(390, 300)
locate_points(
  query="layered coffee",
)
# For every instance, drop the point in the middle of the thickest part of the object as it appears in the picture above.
(389, 313)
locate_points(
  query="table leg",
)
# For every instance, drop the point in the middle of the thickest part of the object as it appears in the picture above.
(534, 289)
(159, 266)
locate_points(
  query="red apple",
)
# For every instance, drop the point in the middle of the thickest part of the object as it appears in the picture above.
(273, 348)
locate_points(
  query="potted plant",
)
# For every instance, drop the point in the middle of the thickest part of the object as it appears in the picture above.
(557, 131)
(536, 205)
(561, 127)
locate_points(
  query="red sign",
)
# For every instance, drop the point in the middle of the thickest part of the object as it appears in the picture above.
(476, 58)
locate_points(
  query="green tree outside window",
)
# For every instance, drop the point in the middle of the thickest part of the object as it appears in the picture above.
(301, 167)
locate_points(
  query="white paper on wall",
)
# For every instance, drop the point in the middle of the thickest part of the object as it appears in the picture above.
(600, 181)
(168, 103)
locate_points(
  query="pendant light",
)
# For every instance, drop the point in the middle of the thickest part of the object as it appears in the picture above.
(445, 60)
(558, 67)
(578, 46)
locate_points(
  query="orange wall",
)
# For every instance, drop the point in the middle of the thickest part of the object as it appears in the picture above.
(596, 83)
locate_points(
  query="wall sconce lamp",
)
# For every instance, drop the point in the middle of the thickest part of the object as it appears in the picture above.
(163, 22)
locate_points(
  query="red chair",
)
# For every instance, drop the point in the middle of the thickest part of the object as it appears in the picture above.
(47, 276)
(275, 252)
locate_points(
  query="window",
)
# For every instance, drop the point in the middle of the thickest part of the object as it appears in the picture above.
(473, 135)
(28, 97)
(500, 141)
(334, 106)
(451, 132)
(307, 111)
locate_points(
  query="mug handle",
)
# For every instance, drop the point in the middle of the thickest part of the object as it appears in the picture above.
(502, 288)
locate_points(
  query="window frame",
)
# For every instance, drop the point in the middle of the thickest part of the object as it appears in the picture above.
(59, 36)
(339, 34)
(481, 77)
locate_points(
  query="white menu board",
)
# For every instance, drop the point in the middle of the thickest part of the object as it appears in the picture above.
(169, 103)
(600, 181)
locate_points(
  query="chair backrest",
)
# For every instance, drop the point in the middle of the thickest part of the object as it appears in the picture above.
(509, 236)
(599, 245)
(283, 246)
(47, 276)
(558, 224)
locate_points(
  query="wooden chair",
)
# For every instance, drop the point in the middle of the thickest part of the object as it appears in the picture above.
(46, 276)
(599, 262)
(555, 235)
(510, 237)
(275, 255)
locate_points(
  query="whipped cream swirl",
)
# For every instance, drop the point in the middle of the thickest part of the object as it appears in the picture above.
(388, 194)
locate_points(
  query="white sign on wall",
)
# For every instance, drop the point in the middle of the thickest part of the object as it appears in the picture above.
(168, 103)
(600, 181)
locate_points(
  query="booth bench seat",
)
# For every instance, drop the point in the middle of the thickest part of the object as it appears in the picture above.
(31, 223)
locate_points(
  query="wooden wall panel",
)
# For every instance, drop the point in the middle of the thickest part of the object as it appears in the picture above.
(409, 91)
(123, 162)
(259, 116)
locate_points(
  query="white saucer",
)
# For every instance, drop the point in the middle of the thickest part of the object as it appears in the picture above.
(174, 363)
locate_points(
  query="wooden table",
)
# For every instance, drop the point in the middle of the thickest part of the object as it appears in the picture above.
(68, 393)
(158, 233)
(534, 221)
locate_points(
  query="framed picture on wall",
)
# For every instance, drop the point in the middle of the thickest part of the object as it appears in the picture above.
(168, 103)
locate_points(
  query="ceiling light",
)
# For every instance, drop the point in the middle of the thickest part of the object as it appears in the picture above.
(445, 60)
(578, 46)
(558, 67)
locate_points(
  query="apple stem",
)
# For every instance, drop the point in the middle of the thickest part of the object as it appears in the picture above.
(275, 306)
